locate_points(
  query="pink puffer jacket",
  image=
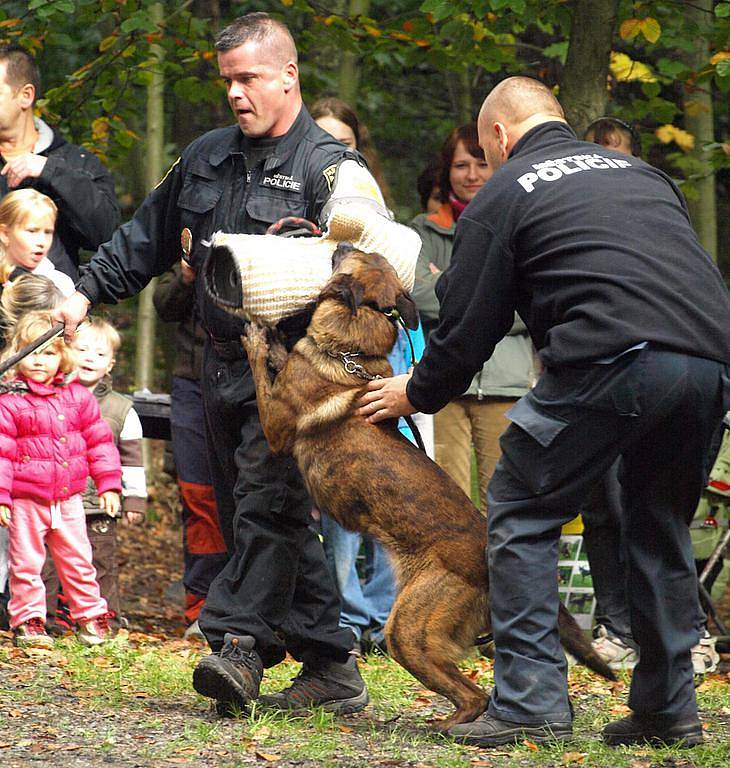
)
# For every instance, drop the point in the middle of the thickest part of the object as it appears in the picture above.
(51, 438)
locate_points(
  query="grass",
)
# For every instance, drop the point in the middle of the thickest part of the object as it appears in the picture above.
(146, 687)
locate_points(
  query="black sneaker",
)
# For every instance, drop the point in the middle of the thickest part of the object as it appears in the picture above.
(232, 676)
(489, 731)
(637, 729)
(334, 686)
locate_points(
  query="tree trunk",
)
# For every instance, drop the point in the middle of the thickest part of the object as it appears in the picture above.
(349, 80)
(154, 163)
(460, 90)
(583, 92)
(698, 120)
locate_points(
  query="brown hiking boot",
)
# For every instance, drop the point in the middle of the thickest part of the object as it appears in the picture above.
(232, 676)
(336, 687)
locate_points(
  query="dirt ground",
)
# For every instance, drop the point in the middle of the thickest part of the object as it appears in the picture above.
(61, 729)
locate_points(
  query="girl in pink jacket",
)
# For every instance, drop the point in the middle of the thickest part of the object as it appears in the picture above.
(52, 436)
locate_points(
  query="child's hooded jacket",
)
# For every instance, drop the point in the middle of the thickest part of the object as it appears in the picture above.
(51, 438)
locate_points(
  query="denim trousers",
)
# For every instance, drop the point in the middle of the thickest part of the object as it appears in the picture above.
(656, 410)
(365, 605)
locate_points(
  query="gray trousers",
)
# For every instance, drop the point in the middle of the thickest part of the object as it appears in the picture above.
(656, 410)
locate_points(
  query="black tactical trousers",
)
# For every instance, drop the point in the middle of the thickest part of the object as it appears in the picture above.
(276, 585)
(657, 410)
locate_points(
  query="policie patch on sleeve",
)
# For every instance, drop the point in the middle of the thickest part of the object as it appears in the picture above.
(329, 173)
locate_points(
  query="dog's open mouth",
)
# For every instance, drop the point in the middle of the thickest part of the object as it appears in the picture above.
(222, 279)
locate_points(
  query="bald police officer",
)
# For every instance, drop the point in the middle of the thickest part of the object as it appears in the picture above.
(631, 320)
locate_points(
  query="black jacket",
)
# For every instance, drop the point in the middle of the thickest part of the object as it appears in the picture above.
(83, 190)
(208, 189)
(594, 249)
(174, 301)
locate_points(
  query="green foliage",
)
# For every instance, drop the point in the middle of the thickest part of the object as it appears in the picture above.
(422, 64)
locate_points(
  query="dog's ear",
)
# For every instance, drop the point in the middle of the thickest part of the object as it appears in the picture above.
(407, 309)
(342, 250)
(346, 289)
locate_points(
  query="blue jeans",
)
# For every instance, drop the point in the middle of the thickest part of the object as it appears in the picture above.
(365, 606)
(657, 411)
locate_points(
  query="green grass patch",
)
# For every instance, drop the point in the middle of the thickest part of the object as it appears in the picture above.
(148, 686)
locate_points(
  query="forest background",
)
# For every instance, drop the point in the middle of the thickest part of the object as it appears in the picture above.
(136, 80)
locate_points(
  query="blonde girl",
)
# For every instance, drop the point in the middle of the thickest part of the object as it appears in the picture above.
(52, 436)
(27, 223)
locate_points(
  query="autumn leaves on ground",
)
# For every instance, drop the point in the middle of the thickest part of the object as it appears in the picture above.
(131, 703)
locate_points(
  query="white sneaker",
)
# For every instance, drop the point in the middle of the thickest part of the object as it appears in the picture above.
(613, 650)
(705, 657)
(193, 632)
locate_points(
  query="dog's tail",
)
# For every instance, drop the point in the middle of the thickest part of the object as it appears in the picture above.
(577, 644)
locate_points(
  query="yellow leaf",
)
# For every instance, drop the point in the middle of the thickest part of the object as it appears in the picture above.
(400, 36)
(99, 128)
(107, 43)
(372, 31)
(719, 57)
(625, 69)
(629, 29)
(670, 133)
(10, 23)
(651, 29)
(287, 3)
(479, 33)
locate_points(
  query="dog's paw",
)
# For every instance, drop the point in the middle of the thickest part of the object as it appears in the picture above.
(254, 340)
(278, 356)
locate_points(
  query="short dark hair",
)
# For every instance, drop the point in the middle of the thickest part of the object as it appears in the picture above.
(469, 136)
(20, 68)
(603, 128)
(258, 27)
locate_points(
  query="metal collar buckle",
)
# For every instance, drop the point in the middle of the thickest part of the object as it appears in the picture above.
(352, 367)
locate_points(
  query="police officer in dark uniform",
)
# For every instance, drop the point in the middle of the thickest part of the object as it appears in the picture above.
(275, 594)
(630, 317)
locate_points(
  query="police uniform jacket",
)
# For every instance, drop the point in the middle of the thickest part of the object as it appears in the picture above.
(82, 189)
(593, 248)
(211, 188)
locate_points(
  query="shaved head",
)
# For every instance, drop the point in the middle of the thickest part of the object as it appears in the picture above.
(512, 108)
(516, 99)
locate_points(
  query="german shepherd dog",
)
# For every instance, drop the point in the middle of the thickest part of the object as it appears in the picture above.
(371, 479)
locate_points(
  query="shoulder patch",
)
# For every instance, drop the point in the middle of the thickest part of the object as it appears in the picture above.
(329, 173)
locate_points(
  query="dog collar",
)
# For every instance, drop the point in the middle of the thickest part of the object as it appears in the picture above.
(351, 366)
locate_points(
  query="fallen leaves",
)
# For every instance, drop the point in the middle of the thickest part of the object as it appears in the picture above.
(572, 758)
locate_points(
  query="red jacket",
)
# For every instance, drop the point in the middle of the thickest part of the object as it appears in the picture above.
(51, 438)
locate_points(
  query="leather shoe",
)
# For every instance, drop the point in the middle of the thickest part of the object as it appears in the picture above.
(641, 729)
(232, 676)
(489, 731)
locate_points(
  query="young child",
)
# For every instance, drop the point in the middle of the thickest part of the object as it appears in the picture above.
(24, 294)
(27, 223)
(96, 344)
(51, 436)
